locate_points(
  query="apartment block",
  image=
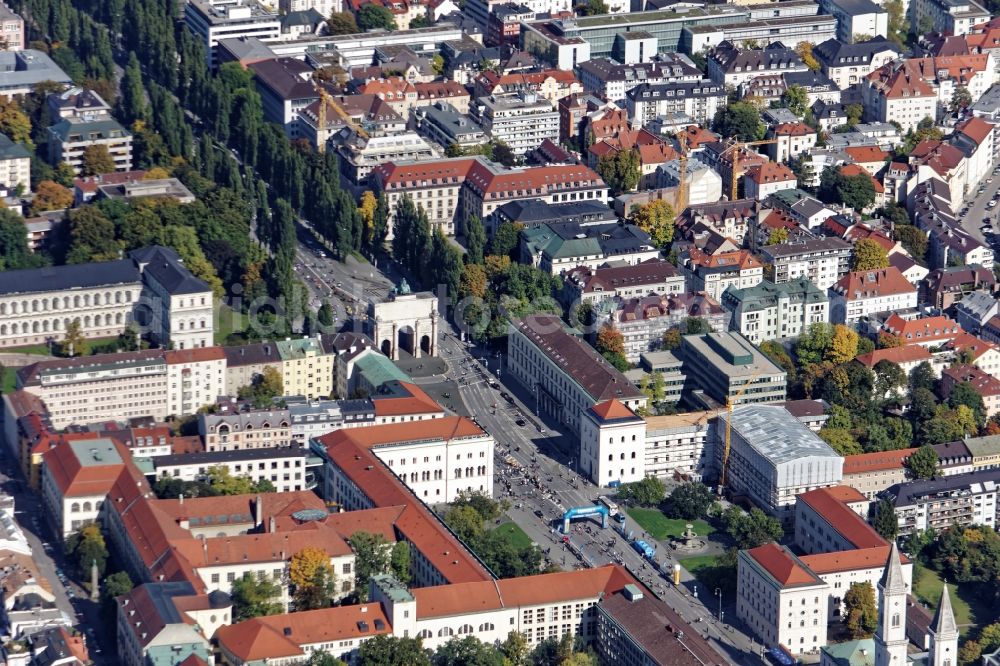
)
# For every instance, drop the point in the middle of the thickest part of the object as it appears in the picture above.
(565, 372)
(822, 260)
(240, 431)
(962, 499)
(522, 121)
(306, 369)
(726, 364)
(698, 101)
(591, 285)
(286, 468)
(213, 20)
(772, 311)
(862, 293)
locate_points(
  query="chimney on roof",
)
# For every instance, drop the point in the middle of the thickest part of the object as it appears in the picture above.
(259, 511)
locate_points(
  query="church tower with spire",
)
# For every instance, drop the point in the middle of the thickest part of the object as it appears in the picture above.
(890, 637)
(944, 634)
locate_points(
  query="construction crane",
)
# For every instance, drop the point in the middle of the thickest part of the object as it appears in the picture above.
(326, 98)
(736, 147)
(730, 403)
(680, 201)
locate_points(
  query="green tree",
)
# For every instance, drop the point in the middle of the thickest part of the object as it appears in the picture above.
(811, 347)
(254, 597)
(841, 441)
(96, 160)
(14, 252)
(342, 23)
(753, 529)
(869, 256)
(399, 561)
(650, 491)
(965, 394)
(960, 99)
(87, 545)
(371, 551)
(621, 171)
(515, 649)
(889, 377)
(553, 651)
(115, 585)
(922, 377)
(923, 462)
(970, 653)
(325, 314)
(592, 8)
(796, 98)
(475, 240)
(689, 501)
(740, 120)
(372, 17)
(324, 658)
(505, 240)
(884, 519)
(264, 388)
(388, 650)
(437, 63)
(914, 241)
(467, 651)
(861, 610)
(92, 236)
(15, 123)
(132, 105)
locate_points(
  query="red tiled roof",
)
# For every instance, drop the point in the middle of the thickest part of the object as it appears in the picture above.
(416, 523)
(612, 409)
(858, 170)
(197, 355)
(74, 479)
(831, 504)
(782, 565)
(872, 284)
(850, 560)
(975, 128)
(793, 129)
(867, 154)
(443, 171)
(875, 462)
(447, 428)
(770, 172)
(418, 402)
(922, 329)
(984, 383)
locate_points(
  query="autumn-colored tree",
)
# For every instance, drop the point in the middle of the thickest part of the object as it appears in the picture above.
(970, 652)
(610, 340)
(312, 577)
(473, 282)
(861, 610)
(51, 196)
(96, 160)
(73, 342)
(805, 51)
(888, 341)
(156, 173)
(869, 256)
(778, 236)
(496, 265)
(14, 122)
(844, 345)
(367, 208)
(657, 219)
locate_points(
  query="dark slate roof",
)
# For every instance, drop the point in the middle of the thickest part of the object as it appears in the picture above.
(11, 151)
(907, 494)
(810, 80)
(168, 270)
(253, 354)
(835, 53)
(77, 276)
(532, 212)
(858, 7)
(288, 78)
(679, 90)
(309, 17)
(776, 56)
(218, 457)
(103, 128)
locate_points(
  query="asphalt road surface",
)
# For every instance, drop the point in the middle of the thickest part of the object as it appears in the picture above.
(541, 485)
(978, 211)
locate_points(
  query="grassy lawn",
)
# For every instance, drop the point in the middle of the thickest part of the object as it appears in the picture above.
(41, 350)
(661, 527)
(227, 322)
(9, 381)
(927, 586)
(513, 534)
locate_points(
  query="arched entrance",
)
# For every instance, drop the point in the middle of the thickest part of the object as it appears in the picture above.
(406, 339)
(425, 344)
(386, 348)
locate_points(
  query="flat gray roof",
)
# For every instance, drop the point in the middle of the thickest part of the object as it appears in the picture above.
(777, 435)
(717, 346)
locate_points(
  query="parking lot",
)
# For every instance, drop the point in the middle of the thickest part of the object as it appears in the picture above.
(980, 214)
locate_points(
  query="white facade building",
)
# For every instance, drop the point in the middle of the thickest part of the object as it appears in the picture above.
(523, 121)
(214, 20)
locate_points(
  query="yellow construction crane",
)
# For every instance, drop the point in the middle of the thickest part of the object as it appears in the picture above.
(326, 98)
(680, 201)
(730, 403)
(737, 147)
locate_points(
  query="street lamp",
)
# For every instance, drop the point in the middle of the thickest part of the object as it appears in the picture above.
(695, 591)
(718, 593)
